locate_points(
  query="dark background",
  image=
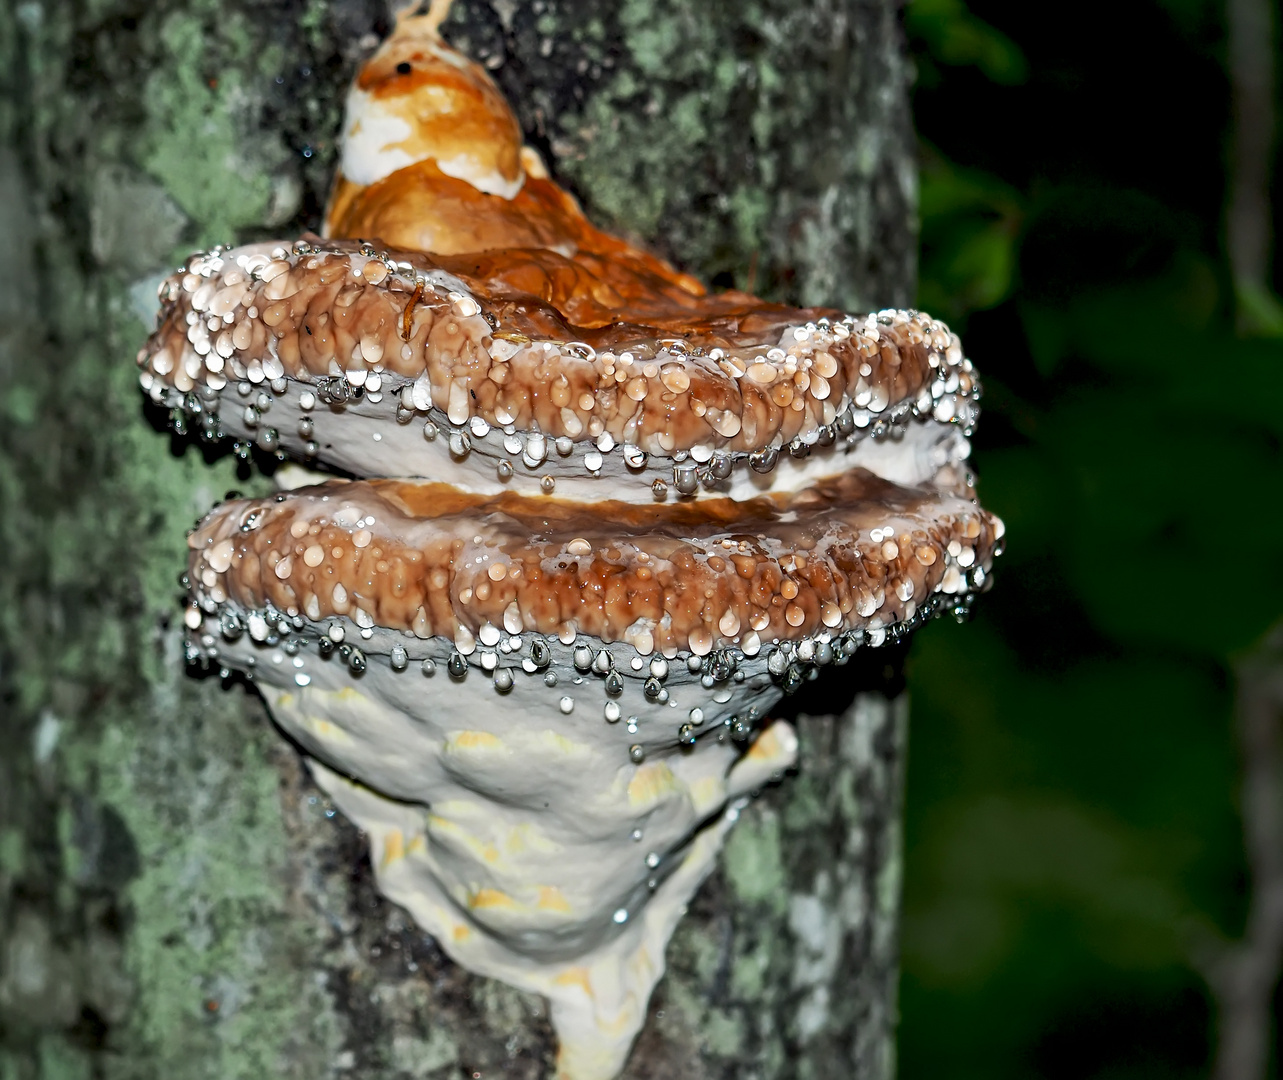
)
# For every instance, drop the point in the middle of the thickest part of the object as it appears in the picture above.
(1075, 857)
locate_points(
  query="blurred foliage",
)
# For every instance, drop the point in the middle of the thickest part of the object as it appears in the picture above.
(1073, 840)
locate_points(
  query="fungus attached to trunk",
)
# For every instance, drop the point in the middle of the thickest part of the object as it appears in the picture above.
(601, 523)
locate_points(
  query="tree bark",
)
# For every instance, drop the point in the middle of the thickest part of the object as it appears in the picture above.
(177, 900)
(1249, 223)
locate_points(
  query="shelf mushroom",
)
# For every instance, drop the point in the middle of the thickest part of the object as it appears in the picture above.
(596, 524)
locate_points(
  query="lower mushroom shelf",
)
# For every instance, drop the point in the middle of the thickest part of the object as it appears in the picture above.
(543, 713)
(538, 844)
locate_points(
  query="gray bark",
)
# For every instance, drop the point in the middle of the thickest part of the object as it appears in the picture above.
(1244, 975)
(1249, 226)
(175, 899)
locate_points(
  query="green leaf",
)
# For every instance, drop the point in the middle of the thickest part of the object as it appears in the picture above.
(953, 36)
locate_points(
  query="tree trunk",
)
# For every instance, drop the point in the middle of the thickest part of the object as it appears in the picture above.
(177, 900)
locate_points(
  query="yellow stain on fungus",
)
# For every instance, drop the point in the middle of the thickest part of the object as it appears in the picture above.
(473, 740)
(707, 793)
(552, 898)
(559, 744)
(575, 976)
(525, 837)
(445, 829)
(393, 848)
(622, 1020)
(326, 729)
(768, 746)
(652, 783)
(491, 898)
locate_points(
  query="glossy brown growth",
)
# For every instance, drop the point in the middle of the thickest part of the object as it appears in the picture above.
(853, 553)
(737, 376)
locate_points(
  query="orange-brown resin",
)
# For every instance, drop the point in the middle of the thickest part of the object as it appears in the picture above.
(530, 243)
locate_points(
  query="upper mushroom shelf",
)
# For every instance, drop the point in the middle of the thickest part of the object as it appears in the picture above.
(493, 336)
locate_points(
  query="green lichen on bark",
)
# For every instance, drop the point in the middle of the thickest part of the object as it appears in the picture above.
(763, 145)
(786, 966)
(176, 899)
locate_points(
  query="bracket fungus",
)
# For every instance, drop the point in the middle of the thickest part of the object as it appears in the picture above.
(594, 524)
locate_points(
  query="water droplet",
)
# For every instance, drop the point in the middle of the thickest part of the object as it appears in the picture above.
(398, 658)
(612, 712)
(621, 916)
(763, 460)
(685, 479)
(637, 753)
(503, 680)
(566, 704)
(456, 665)
(428, 667)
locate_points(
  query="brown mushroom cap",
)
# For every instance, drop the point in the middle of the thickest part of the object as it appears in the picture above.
(452, 335)
(855, 553)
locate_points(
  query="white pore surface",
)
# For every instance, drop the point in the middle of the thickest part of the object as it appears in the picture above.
(363, 437)
(515, 827)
